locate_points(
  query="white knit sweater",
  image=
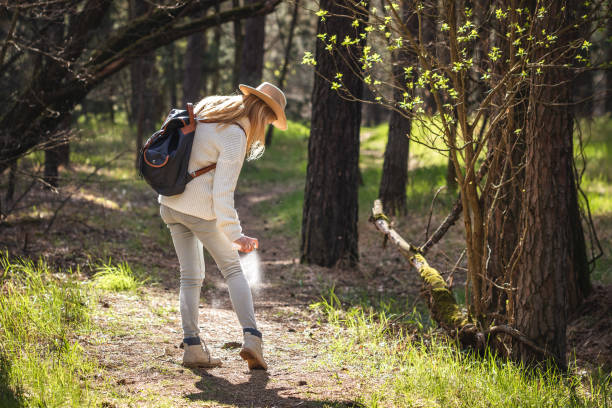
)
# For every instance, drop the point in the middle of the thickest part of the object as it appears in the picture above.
(211, 196)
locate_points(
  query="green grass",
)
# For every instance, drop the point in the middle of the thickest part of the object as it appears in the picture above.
(597, 185)
(116, 278)
(43, 315)
(395, 367)
(41, 363)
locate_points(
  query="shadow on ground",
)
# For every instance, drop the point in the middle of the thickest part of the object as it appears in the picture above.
(254, 393)
(9, 398)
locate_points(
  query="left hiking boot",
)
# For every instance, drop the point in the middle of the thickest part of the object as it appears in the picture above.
(197, 356)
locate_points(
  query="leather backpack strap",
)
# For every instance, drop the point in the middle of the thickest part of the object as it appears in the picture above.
(203, 170)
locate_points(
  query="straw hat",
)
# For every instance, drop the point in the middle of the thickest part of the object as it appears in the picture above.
(273, 97)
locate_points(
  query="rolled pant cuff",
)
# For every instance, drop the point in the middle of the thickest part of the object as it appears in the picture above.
(191, 341)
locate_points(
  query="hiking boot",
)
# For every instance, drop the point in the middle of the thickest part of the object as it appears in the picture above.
(197, 356)
(252, 352)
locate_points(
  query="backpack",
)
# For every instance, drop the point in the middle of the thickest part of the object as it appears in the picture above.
(163, 160)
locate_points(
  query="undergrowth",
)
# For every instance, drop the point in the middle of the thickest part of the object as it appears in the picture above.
(41, 362)
(44, 313)
(116, 278)
(399, 361)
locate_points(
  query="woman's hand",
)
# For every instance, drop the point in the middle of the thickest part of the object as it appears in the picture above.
(246, 244)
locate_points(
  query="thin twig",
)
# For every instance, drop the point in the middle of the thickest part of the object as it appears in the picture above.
(431, 211)
(517, 335)
(449, 280)
(9, 36)
(86, 179)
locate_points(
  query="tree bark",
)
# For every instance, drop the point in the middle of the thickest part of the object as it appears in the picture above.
(142, 92)
(251, 64)
(216, 55)
(608, 72)
(238, 44)
(170, 74)
(392, 190)
(502, 197)
(194, 78)
(451, 175)
(549, 261)
(329, 222)
(285, 68)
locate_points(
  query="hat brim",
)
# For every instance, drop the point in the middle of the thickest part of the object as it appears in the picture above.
(281, 119)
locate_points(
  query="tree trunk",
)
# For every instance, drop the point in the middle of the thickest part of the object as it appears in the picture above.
(608, 72)
(502, 197)
(54, 35)
(583, 95)
(216, 54)
(451, 175)
(283, 74)
(550, 259)
(12, 180)
(392, 190)
(142, 93)
(238, 44)
(251, 67)
(170, 74)
(329, 223)
(194, 77)
(51, 172)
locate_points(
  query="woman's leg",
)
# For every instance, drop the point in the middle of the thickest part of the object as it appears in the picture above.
(228, 261)
(191, 259)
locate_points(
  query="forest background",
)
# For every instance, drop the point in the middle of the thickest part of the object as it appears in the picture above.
(89, 286)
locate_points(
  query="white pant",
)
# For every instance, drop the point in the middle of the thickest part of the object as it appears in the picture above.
(189, 234)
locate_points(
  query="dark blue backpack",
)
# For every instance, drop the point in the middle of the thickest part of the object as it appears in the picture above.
(164, 158)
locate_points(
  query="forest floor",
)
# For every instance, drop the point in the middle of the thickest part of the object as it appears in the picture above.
(136, 334)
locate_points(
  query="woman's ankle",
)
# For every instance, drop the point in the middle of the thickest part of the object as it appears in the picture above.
(254, 332)
(191, 341)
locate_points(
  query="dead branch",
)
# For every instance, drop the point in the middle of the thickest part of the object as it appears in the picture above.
(445, 310)
(77, 187)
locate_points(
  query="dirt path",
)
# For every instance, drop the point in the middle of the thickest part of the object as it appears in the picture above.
(138, 350)
(138, 341)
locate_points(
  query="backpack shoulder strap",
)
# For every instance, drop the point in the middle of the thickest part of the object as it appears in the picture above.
(203, 170)
(190, 127)
(193, 121)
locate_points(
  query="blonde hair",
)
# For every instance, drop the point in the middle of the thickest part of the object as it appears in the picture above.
(229, 109)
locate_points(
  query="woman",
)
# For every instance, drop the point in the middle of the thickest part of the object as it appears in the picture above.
(204, 214)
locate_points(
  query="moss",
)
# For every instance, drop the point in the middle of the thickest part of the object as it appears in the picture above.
(442, 303)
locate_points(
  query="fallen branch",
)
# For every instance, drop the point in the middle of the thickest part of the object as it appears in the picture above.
(442, 304)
